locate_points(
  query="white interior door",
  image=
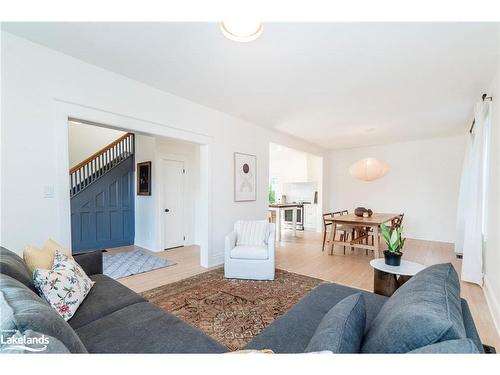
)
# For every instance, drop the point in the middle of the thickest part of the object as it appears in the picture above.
(173, 203)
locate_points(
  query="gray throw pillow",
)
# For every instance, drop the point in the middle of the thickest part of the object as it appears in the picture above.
(13, 265)
(23, 310)
(425, 310)
(341, 329)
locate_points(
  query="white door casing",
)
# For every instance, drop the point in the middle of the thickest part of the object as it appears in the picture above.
(172, 198)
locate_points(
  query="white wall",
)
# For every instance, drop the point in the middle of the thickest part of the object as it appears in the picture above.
(85, 140)
(145, 205)
(40, 85)
(423, 182)
(290, 166)
(286, 165)
(492, 240)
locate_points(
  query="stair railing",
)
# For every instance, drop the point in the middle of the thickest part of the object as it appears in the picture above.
(89, 170)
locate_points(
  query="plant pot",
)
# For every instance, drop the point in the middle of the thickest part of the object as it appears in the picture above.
(392, 259)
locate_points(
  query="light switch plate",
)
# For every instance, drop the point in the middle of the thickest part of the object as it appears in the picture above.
(48, 191)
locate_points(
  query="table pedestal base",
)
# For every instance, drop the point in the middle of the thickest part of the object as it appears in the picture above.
(386, 284)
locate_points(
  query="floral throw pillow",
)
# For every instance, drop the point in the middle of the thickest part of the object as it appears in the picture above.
(65, 286)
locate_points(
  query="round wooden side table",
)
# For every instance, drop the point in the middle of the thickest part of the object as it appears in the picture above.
(387, 279)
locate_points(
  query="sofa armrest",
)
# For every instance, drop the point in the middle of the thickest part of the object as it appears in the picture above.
(271, 241)
(229, 243)
(90, 262)
(470, 327)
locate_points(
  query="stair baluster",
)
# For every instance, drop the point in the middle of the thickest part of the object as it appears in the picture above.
(91, 169)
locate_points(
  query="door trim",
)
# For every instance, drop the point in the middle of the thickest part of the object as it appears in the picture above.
(160, 202)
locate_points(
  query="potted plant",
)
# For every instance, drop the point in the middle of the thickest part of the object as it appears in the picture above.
(394, 243)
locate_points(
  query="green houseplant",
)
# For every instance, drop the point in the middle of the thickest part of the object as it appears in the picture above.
(395, 243)
(272, 195)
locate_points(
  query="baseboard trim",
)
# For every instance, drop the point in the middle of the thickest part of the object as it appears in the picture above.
(492, 303)
(216, 260)
(146, 245)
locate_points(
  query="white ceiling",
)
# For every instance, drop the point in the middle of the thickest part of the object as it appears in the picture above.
(334, 84)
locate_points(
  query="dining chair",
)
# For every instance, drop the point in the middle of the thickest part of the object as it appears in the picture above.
(341, 229)
(271, 216)
(397, 222)
(326, 224)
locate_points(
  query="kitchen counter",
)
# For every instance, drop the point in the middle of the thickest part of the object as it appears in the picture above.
(278, 207)
(285, 205)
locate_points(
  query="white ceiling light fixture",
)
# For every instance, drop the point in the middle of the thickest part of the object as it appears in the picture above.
(241, 30)
(369, 169)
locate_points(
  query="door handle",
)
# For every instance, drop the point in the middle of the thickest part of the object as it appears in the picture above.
(167, 210)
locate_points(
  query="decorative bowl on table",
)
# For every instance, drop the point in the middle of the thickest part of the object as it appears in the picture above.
(363, 212)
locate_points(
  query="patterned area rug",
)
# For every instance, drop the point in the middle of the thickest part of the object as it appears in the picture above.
(131, 263)
(232, 311)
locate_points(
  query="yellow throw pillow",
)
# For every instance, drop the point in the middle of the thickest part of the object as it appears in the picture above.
(43, 258)
(53, 246)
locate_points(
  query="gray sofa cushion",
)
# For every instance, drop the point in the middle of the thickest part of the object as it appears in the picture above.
(461, 346)
(292, 332)
(145, 328)
(23, 310)
(105, 297)
(342, 328)
(425, 310)
(13, 265)
(52, 346)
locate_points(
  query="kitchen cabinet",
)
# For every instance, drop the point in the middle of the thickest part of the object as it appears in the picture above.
(310, 216)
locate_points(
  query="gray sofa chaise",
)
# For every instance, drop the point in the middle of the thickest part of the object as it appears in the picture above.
(114, 319)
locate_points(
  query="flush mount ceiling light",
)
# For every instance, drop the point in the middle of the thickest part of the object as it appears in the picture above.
(241, 30)
(369, 169)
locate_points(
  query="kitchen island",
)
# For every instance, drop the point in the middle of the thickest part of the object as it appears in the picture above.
(278, 208)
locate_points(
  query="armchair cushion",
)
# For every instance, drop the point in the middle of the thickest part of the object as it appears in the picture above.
(251, 232)
(249, 252)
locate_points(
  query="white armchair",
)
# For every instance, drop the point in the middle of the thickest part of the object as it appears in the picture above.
(249, 251)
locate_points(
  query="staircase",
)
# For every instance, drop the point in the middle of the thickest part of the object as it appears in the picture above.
(89, 171)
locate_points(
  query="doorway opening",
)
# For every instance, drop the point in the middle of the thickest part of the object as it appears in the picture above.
(295, 191)
(142, 193)
(178, 172)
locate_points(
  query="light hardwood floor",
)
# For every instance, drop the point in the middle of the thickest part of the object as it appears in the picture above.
(303, 255)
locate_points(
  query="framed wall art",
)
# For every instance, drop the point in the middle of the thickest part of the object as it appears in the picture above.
(144, 178)
(244, 177)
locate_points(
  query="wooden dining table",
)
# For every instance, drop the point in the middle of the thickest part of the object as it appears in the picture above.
(362, 226)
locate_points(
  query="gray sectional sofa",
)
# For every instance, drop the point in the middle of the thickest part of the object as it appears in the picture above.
(426, 315)
(111, 319)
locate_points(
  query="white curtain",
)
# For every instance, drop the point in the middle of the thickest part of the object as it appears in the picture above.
(471, 203)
